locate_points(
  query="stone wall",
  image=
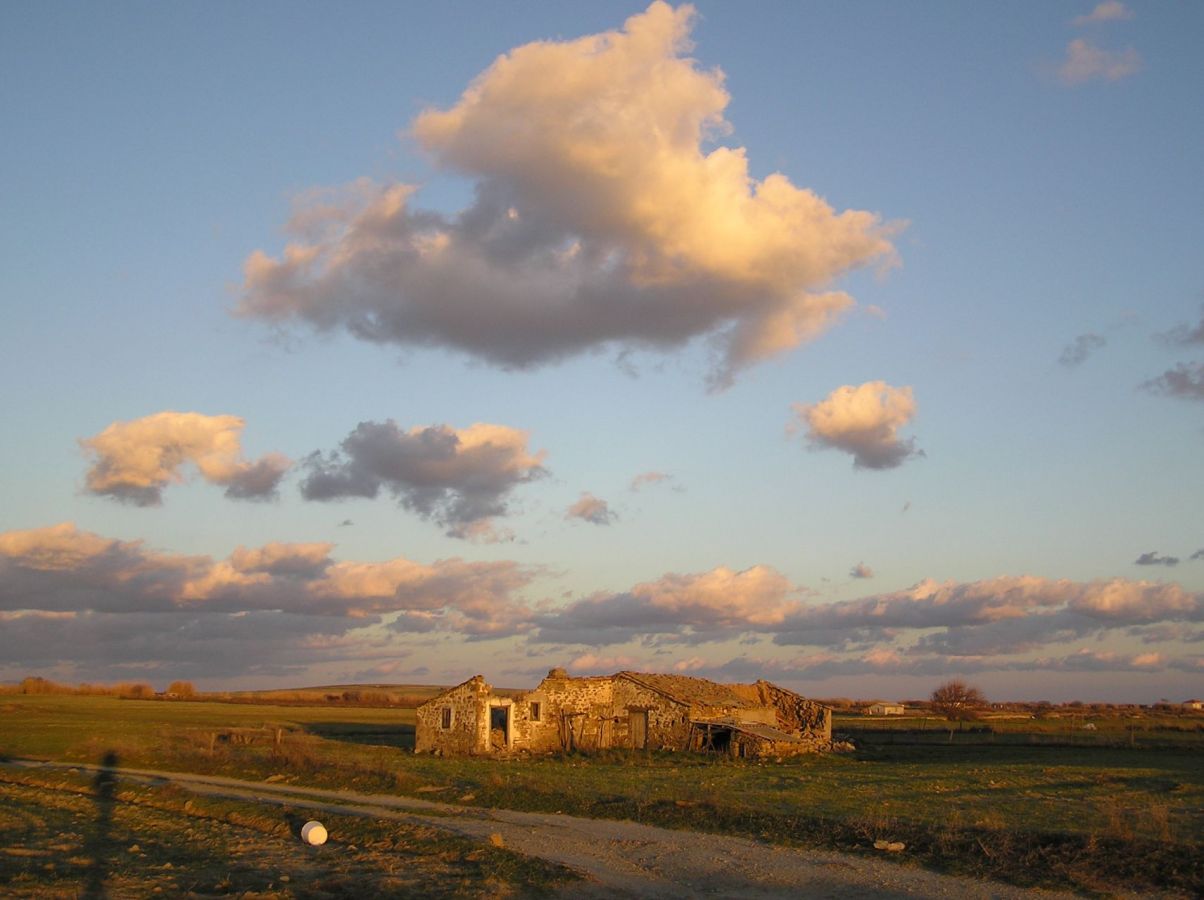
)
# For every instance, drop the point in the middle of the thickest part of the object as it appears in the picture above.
(469, 731)
(752, 747)
(561, 700)
(797, 715)
(580, 712)
(596, 713)
(668, 721)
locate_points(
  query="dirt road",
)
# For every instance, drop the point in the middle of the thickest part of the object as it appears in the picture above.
(618, 859)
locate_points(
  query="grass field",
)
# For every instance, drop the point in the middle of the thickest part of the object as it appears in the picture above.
(1083, 729)
(70, 834)
(1087, 817)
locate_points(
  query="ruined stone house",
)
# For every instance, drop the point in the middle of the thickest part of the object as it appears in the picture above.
(629, 709)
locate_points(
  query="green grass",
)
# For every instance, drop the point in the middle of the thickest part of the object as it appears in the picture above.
(81, 728)
(1078, 816)
(1083, 729)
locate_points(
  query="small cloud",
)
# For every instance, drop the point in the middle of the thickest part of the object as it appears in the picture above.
(346, 523)
(1153, 559)
(906, 507)
(649, 479)
(592, 662)
(1109, 11)
(134, 461)
(861, 570)
(459, 478)
(1076, 352)
(863, 421)
(876, 311)
(1185, 334)
(1185, 381)
(256, 480)
(481, 531)
(1199, 554)
(1086, 62)
(591, 509)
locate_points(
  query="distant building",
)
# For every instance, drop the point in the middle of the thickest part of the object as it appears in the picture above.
(1193, 704)
(627, 709)
(887, 709)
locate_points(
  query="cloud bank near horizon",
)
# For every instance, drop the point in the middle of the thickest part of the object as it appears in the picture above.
(603, 216)
(69, 596)
(133, 607)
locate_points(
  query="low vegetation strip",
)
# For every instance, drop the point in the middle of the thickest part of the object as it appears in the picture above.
(1148, 731)
(1089, 818)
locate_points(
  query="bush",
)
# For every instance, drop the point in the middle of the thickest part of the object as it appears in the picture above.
(134, 691)
(37, 685)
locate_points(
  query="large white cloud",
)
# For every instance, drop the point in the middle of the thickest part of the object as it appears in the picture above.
(460, 478)
(603, 215)
(864, 421)
(133, 461)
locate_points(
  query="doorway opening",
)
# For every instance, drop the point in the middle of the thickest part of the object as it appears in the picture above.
(499, 727)
(639, 729)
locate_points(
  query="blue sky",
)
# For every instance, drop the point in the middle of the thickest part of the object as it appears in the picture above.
(1034, 172)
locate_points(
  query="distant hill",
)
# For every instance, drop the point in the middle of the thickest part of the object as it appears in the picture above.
(401, 695)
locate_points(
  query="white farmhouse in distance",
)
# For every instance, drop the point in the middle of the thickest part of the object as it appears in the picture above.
(887, 709)
(1193, 704)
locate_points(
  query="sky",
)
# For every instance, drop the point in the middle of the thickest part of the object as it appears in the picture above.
(853, 346)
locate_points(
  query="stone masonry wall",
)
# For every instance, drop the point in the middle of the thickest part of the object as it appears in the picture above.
(595, 713)
(797, 715)
(668, 721)
(580, 712)
(470, 720)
